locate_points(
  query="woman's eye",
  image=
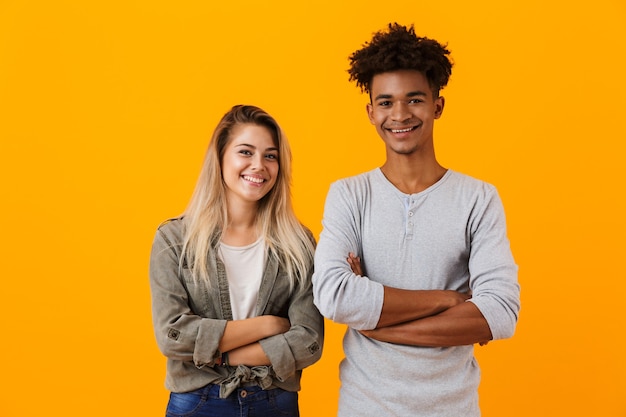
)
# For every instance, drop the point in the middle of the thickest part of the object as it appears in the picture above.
(245, 152)
(271, 156)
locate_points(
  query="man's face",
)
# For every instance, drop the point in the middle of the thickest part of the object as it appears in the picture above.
(403, 109)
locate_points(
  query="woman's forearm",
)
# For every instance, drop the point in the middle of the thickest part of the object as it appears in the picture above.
(243, 332)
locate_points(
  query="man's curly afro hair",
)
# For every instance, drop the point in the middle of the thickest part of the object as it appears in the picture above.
(400, 49)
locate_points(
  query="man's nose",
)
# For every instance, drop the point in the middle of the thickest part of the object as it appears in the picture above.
(400, 112)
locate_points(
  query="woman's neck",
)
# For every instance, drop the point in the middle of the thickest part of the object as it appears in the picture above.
(240, 236)
(242, 227)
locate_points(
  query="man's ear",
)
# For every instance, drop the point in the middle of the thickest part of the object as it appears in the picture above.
(440, 102)
(369, 108)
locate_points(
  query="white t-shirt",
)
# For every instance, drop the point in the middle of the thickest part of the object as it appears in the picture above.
(244, 269)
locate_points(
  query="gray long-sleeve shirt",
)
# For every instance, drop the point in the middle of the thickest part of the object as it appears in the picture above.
(449, 236)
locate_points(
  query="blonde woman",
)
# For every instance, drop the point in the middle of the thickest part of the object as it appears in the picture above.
(230, 280)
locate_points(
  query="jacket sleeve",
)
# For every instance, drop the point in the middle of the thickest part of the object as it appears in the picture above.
(180, 333)
(339, 294)
(493, 271)
(302, 344)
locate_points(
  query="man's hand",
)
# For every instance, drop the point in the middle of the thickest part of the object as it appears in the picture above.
(355, 264)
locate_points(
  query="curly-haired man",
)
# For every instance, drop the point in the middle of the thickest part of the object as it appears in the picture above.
(413, 257)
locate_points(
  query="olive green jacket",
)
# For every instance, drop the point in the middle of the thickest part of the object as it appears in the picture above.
(189, 320)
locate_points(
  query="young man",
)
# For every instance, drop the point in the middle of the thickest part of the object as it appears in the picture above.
(413, 257)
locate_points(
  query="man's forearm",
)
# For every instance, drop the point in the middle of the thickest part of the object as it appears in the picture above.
(400, 306)
(460, 325)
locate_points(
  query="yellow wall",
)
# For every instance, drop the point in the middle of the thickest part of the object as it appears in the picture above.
(105, 111)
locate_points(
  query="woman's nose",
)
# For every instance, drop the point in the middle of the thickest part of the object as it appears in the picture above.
(257, 162)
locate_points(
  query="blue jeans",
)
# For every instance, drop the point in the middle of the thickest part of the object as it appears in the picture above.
(244, 402)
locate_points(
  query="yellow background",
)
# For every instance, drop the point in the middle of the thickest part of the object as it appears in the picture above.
(106, 108)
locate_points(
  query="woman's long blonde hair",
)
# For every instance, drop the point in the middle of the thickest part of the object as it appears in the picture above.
(206, 215)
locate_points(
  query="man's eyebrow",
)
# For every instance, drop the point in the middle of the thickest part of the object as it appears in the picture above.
(409, 94)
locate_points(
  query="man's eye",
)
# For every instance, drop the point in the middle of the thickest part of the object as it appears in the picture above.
(416, 100)
(384, 103)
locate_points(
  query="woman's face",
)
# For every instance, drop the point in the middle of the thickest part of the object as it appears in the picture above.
(249, 164)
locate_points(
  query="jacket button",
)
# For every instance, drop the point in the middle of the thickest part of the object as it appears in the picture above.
(173, 334)
(243, 393)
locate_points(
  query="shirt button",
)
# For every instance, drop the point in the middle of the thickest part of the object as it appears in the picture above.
(410, 214)
(244, 393)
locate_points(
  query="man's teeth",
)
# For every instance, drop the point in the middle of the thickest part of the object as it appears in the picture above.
(253, 179)
(408, 129)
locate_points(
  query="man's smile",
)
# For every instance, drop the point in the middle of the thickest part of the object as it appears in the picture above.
(401, 130)
(408, 129)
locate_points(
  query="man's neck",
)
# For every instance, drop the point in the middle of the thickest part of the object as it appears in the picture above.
(411, 174)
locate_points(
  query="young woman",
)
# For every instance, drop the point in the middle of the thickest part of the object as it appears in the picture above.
(230, 279)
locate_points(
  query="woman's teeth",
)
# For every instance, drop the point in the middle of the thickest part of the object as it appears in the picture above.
(253, 179)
